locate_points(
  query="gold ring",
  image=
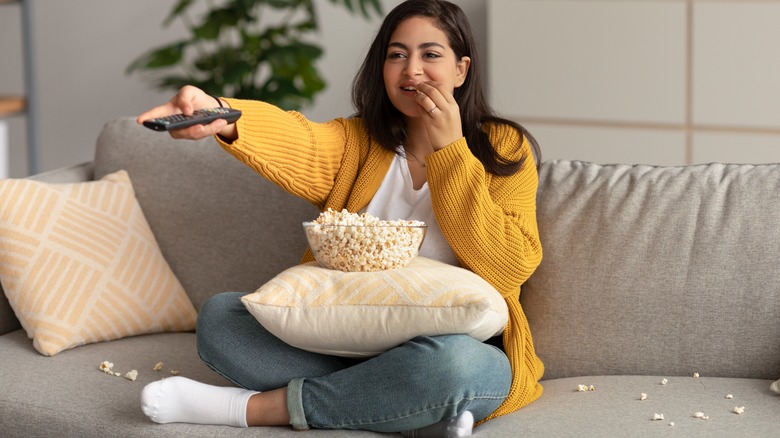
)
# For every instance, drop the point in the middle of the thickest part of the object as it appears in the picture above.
(432, 110)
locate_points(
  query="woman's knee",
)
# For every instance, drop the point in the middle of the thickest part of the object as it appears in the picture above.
(217, 308)
(214, 318)
(477, 376)
(466, 362)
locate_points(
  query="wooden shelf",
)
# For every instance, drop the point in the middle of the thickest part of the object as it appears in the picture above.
(24, 104)
(10, 105)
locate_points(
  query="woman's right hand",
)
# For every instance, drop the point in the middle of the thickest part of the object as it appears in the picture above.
(186, 101)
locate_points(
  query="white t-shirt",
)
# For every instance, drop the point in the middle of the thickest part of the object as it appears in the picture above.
(397, 199)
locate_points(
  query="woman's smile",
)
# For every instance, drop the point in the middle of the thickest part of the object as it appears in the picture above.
(408, 89)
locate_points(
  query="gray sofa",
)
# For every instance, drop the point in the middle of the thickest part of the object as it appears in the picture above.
(649, 273)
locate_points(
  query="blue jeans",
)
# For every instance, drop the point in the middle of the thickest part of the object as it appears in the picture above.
(421, 382)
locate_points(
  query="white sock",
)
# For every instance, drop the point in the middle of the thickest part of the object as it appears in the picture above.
(455, 427)
(182, 400)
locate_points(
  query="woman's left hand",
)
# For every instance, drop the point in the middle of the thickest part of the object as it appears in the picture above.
(440, 112)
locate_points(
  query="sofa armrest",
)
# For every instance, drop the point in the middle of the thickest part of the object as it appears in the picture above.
(8, 321)
(72, 174)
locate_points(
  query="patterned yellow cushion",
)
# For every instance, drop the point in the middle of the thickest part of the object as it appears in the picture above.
(356, 314)
(79, 264)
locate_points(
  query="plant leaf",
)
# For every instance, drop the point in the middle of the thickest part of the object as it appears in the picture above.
(364, 6)
(239, 54)
(209, 30)
(173, 82)
(348, 4)
(162, 57)
(374, 4)
(178, 9)
(282, 4)
(307, 51)
(235, 72)
(312, 80)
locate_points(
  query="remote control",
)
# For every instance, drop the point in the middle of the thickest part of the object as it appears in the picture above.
(202, 116)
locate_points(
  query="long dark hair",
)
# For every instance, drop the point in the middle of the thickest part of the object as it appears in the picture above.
(386, 125)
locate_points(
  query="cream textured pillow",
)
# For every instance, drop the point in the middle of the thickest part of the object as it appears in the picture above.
(359, 314)
(79, 264)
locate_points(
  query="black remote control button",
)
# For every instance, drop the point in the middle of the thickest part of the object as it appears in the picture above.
(202, 116)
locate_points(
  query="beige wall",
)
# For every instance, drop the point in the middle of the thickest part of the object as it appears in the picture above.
(652, 81)
(641, 81)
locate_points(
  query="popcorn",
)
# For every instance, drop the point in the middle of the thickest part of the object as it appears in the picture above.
(739, 410)
(361, 242)
(701, 416)
(107, 367)
(695, 375)
(643, 396)
(159, 366)
(671, 424)
(585, 388)
(658, 417)
(664, 382)
(729, 396)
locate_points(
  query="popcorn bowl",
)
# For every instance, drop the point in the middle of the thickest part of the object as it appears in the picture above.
(364, 248)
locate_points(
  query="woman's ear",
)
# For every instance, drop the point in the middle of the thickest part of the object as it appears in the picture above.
(462, 71)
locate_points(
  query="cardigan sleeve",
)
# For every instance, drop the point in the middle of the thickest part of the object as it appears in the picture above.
(489, 220)
(301, 156)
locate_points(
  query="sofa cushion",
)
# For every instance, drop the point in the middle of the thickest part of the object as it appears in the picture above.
(38, 398)
(657, 270)
(80, 265)
(358, 314)
(221, 226)
(68, 393)
(614, 409)
(68, 396)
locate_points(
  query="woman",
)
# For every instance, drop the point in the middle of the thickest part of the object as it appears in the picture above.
(423, 145)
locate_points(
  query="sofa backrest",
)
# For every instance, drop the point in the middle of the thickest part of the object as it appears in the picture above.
(221, 226)
(657, 270)
(646, 270)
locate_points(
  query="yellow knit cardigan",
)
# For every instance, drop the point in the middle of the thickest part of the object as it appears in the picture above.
(489, 220)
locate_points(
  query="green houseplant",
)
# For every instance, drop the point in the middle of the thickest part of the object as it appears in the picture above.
(251, 49)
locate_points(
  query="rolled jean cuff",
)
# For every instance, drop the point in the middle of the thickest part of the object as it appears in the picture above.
(295, 405)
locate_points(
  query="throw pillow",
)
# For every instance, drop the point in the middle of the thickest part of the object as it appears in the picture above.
(79, 264)
(361, 314)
